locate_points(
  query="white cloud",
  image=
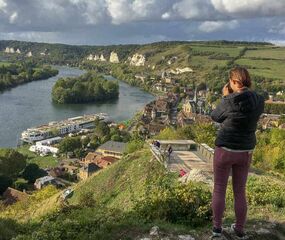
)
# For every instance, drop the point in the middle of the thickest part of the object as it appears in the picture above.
(214, 26)
(195, 9)
(172, 18)
(13, 17)
(250, 8)
(279, 29)
(3, 4)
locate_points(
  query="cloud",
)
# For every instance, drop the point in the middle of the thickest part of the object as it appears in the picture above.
(213, 26)
(279, 28)
(3, 4)
(250, 8)
(140, 20)
(95, 12)
(13, 17)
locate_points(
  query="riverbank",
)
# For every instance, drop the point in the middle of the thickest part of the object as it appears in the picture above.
(15, 74)
(31, 105)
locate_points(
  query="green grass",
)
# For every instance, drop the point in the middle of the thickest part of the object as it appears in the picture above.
(231, 51)
(119, 184)
(42, 162)
(266, 68)
(4, 64)
(206, 63)
(115, 191)
(270, 53)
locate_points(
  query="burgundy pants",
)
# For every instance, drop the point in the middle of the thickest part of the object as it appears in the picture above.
(224, 161)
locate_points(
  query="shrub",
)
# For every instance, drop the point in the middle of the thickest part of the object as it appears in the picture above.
(189, 204)
(263, 191)
(87, 199)
(134, 145)
(21, 184)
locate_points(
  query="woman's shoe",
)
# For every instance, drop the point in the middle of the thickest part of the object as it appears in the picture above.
(239, 234)
(216, 233)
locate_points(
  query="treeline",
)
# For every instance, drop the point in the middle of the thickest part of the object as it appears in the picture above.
(12, 75)
(16, 172)
(61, 54)
(89, 87)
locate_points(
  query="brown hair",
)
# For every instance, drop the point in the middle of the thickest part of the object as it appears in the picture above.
(240, 75)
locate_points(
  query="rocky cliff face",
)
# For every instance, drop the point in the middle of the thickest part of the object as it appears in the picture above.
(137, 60)
(114, 58)
(102, 58)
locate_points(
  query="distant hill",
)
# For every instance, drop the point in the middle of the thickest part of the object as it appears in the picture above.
(210, 60)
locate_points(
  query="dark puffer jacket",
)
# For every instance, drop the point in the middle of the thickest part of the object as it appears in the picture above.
(238, 114)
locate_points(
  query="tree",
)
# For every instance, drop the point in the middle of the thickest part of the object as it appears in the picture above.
(205, 133)
(69, 144)
(33, 172)
(5, 182)
(21, 184)
(102, 129)
(11, 162)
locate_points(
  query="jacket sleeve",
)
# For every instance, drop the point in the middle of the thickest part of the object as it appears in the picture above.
(220, 113)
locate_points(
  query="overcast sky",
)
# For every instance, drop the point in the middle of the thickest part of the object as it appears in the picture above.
(141, 21)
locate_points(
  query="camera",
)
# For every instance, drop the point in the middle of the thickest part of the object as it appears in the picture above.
(229, 88)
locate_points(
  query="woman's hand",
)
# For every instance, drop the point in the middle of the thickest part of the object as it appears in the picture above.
(226, 91)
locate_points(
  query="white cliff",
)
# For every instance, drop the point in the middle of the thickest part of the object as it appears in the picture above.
(90, 57)
(29, 54)
(114, 58)
(137, 60)
(18, 51)
(181, 70)
(102, 58)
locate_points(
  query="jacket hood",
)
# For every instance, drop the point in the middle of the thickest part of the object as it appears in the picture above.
(245, 101)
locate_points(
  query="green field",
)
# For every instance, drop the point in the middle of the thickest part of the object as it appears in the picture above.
(270, 53)
(231, 51)
(42, 162)
(206, 63)
(274, 69)
(5, 64)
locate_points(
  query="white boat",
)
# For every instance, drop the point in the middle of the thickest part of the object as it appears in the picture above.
(64, 127)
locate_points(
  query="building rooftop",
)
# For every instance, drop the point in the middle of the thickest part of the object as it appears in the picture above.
(90, 168)
(12, 195)
(42, 180)
(113, 146)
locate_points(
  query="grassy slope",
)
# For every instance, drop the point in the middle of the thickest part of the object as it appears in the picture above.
(115, 186)
(265, 61)
(42, 162)
(115, 191)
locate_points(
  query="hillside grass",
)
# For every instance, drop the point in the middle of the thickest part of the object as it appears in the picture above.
(270, 53)
(105, 206)
(36, 206)
(121, 183)
(43, 162)
(4, 64)
(274, 69)
(232, 51)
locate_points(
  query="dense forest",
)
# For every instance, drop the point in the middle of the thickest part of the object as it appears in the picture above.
(12, 75)
(89, 87)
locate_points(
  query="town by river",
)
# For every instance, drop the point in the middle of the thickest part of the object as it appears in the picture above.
(30, 105)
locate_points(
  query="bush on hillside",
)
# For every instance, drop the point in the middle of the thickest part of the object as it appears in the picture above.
(134, 145)
(263, 191)
(189, 204)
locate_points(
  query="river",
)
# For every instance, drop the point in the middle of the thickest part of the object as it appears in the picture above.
(30, 105)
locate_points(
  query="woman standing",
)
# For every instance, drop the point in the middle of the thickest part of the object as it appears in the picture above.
(238, 114)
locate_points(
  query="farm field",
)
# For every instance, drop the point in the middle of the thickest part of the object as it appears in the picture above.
(274, 69)
(270, 53)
